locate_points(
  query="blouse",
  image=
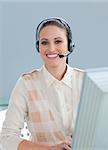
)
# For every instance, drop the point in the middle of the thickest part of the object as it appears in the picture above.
(49, 107)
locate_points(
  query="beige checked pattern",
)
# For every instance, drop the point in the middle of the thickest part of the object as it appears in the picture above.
(45, 127)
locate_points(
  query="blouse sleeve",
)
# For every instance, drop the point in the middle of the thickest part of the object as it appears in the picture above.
(15, 116)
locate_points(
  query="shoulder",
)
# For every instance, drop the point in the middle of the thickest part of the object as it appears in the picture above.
(31, 75)
(76, 71)
(79, 72)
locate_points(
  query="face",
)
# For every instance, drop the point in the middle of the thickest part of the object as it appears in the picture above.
(53, 41)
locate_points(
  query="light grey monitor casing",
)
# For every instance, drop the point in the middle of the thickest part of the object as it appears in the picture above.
(91, 129)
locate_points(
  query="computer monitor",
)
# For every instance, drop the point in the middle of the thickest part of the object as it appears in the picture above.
(91, 129)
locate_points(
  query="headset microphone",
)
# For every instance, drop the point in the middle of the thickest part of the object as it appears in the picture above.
(61, 55)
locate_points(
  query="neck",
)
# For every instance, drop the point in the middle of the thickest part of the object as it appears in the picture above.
(57, 72)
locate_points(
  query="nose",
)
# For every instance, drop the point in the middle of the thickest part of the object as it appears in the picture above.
(51, 47)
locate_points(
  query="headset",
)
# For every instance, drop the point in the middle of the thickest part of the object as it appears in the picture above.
(60, 22)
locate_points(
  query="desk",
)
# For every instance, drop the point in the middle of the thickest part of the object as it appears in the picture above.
(3, 107)
(2, 116)
(25, 134)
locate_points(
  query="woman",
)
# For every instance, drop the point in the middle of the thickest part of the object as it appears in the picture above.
(46, 98)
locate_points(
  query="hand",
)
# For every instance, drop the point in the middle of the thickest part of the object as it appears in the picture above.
(62, 146)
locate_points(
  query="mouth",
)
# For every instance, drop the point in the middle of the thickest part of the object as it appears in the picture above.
(51, 56)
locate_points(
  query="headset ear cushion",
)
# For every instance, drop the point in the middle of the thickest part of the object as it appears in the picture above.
(37, 45)
(71, 47)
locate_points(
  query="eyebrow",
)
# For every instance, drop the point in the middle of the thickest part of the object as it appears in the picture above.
(54, 38)
(58, 38)
(43, 39)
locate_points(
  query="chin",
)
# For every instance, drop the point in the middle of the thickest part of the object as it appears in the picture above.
(55, 64)
(51, 64)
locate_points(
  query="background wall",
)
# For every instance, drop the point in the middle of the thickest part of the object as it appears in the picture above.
(18, 21)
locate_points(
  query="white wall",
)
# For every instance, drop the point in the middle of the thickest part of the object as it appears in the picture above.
(18, 21)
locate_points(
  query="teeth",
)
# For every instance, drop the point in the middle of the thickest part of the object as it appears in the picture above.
(52, 55)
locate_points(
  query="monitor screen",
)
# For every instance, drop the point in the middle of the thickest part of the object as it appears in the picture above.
(91, 129)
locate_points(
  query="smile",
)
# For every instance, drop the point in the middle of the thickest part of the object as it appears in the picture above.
(52, 55)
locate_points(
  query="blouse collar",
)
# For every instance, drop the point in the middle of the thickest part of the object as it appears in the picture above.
(49, 78)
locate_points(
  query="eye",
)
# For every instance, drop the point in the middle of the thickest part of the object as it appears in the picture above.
(44, 42)
(58, 41)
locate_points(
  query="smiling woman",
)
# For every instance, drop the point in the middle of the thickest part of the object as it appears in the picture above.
(46, 98)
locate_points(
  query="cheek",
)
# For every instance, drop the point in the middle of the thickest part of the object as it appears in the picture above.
(42, 53)
(42, 50)
(65, 47)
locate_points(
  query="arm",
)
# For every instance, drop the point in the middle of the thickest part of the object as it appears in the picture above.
(14, 121)
(26, 145)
